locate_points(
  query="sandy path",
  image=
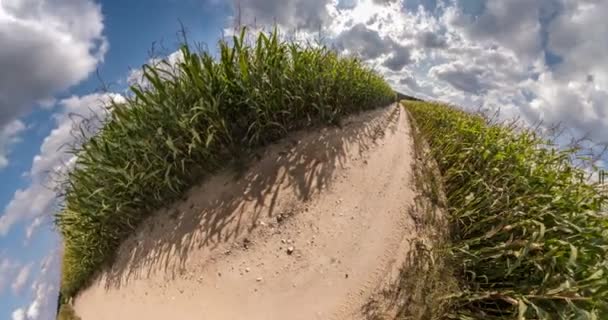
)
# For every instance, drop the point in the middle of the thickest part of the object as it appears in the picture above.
(337, 197)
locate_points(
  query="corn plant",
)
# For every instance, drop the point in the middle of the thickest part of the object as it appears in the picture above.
(190, 119)
(530, 240)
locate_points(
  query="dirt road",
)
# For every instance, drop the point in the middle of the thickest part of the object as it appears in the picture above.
(311, 230)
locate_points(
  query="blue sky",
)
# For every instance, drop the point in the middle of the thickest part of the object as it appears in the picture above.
(535, 59)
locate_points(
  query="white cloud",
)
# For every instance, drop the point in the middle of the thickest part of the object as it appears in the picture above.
(47, 46)
(301, 14)
(27, 204)
(38, 199)
(33, 311)
(31, 229)
(468, 78)
(168, 64)
(365, 42)
(21, 279)
(580, 105)
(9, 135)
(520, 77)
(515, 24)
(18, 314)
(44, 291)
(399, 58)
(430, 39)
(578, 35)
(8, 268)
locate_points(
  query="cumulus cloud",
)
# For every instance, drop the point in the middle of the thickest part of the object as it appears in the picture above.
(413, 86)
(42, 305)
(514, 24)
(364, 41)
(21, 279)
(44, 291)
(470, 79)
(8, 268)
(430, 39)
(301, 14)
(18, 314)
(27, 204)
(168, 64)
(384, 2)
(47, 46)
(9, 135)
(578, 105)
(410, 82)
(38, 199)
(33, 226)
(369, 44)
(505, 50)
(399, 58)
(346, 4)
(578, 38)
(33, 311)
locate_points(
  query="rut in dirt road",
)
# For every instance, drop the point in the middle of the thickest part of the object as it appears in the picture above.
(309, 231)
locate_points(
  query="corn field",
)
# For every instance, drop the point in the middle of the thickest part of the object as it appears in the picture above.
(529, 240)
(187, 122)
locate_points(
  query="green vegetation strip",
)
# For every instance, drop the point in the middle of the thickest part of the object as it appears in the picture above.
(529, 238)
(67, 313)
(191, 120)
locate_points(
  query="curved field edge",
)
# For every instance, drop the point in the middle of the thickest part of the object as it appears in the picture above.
(529, 237)
(191, 119)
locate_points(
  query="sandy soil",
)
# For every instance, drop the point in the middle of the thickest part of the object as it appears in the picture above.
(311, 230)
